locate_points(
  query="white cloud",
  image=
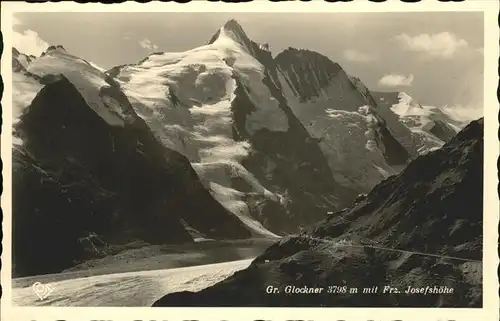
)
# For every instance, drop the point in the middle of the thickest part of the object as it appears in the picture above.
(440, 45)
(357, 56)
(396, 80)
(463, 114)
(27, 41)
(147, 44)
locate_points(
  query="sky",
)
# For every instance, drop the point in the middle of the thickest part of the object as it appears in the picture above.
(437, 58)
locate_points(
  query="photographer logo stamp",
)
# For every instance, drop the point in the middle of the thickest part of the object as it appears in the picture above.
(42, 290)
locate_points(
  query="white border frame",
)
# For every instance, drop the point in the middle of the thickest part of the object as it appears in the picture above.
(490, 310)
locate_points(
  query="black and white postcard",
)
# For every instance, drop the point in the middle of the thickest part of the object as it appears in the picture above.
(262, 156)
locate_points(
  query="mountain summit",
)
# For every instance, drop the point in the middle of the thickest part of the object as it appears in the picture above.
(234, 31)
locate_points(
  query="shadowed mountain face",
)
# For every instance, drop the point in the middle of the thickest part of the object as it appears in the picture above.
(420, 228)
(76, 177)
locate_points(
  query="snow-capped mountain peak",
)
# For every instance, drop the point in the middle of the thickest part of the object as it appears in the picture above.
(232, 31)
(330, 103)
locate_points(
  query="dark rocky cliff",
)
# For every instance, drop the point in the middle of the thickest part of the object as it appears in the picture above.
(420, 228)
(77, 176)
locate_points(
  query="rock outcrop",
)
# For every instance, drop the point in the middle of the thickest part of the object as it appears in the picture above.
(420, 229)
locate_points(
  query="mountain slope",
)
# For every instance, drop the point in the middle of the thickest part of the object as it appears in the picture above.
(87, 172)
(420, 228)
